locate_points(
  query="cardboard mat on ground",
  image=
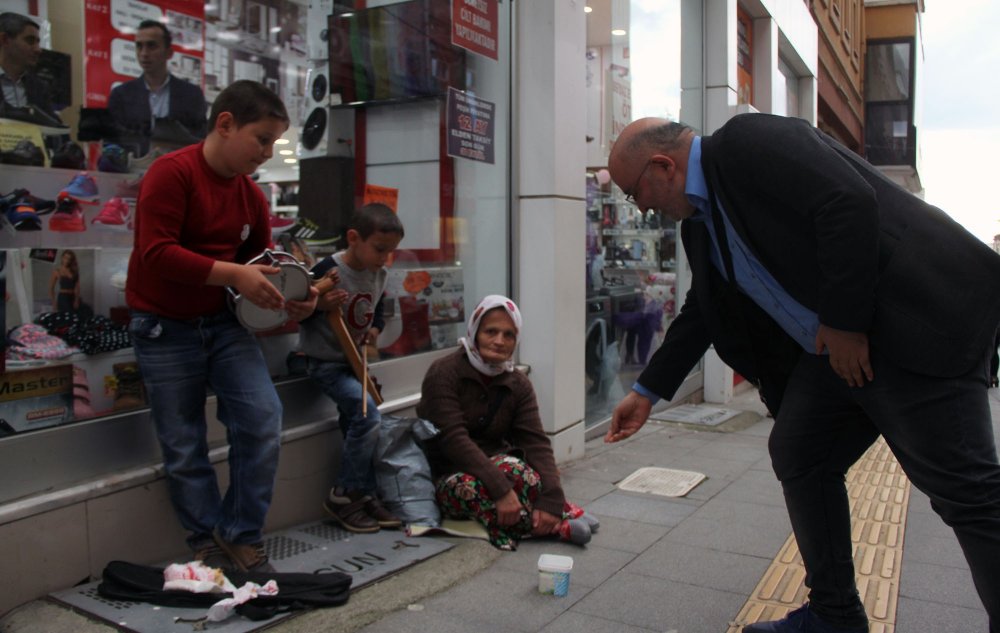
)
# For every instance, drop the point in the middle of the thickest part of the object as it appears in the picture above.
(311, 548)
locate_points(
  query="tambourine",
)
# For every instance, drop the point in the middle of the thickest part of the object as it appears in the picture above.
(292, 281)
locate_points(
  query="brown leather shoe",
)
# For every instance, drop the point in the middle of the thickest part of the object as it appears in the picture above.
(349, 511)
(247, 557)
(377, 511)
(212, 555)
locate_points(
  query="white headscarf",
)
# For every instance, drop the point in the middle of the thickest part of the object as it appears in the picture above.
(469, 340)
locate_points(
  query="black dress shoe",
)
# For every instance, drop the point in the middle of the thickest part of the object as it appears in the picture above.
(801, 620)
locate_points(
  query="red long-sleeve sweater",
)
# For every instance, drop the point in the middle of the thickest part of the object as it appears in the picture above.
(187, 217)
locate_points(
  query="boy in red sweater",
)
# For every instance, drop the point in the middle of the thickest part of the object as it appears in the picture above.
(199, 218)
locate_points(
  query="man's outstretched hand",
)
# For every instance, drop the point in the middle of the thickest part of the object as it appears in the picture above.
(629, 416)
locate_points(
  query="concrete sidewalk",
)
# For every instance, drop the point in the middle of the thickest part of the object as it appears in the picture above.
(658, 564)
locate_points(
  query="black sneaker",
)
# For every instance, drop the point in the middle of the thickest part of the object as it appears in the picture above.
(310, 233)
(70, 156)
(348, 509)
(24, 153)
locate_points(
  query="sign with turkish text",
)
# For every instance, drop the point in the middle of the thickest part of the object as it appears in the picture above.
(377, 194)
(109, 56)
(474, 26)
(470, 127)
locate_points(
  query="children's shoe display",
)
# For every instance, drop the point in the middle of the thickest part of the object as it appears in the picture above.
(83, 187)
(115, 215)
(68, 216)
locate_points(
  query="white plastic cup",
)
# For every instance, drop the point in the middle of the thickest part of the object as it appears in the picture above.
(553, 574)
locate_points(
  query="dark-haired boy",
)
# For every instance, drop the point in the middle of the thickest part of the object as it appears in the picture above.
(199, 217)
(374, 233)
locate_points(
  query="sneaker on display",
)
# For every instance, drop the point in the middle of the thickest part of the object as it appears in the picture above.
(280, 224)
(310, 233)
(128, 189)
(70, 156)
(172, 132)
(113, 159)
(83, 187)
(23, 217)
(115, 215)
(68, 216)
(24, 153)
(143, 163)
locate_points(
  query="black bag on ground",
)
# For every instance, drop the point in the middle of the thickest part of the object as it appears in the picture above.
(139, 583)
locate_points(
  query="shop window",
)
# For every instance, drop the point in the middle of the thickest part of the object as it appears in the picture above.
(890, 136)
(636, 63)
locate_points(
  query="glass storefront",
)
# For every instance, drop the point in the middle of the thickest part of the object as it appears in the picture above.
(437, 152)
(643, 59)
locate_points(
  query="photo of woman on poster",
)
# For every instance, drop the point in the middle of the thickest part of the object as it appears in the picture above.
(64, 286)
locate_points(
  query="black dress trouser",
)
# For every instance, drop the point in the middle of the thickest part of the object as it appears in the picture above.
(940, 431)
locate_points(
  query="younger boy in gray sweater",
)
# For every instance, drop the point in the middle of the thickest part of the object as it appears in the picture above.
(374, 233)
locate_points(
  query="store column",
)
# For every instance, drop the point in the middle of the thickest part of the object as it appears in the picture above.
(550, 211)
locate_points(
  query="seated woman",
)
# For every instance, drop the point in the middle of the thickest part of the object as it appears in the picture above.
(492, 461)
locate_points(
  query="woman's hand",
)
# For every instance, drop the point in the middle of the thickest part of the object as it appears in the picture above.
(509, 509)
(543, 523)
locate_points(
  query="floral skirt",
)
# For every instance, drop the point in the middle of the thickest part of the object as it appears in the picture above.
(462, 496)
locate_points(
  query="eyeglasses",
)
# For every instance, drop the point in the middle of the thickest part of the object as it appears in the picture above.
(630, 197)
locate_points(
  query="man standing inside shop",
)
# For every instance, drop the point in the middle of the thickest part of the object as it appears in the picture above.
(157, 101)
(24, 96)
(858, 310)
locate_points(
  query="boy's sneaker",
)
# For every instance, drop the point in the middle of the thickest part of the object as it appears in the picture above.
(83, 187)
(348, 509)
(381, 514)
(114, 216)
(68, 216)
(250, 557)
(212, 556)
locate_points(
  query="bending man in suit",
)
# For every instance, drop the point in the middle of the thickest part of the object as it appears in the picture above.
(137, 104)
(856, 308)
(20, 88)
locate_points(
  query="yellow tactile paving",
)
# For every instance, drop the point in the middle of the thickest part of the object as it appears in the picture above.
(879, 493)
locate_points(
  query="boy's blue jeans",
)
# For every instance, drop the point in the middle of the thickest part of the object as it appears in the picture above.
(179, 361)
(357, 470)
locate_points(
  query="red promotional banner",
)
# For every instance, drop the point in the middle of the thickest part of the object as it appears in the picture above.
(474, 26)
(110, 27)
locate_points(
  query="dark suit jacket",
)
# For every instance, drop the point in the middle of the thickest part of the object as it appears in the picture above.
(844, 241)
(129, 105)
(37, 92)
